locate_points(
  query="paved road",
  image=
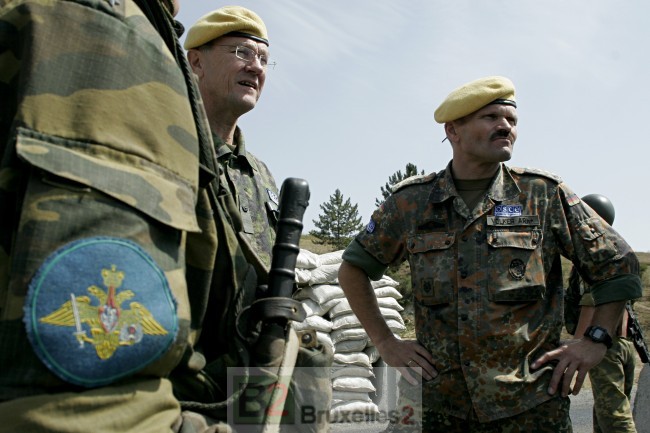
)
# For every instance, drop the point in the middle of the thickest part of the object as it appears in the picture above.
(581, 406)
(580, 417)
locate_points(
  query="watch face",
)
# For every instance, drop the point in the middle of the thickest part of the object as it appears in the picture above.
(598, 334)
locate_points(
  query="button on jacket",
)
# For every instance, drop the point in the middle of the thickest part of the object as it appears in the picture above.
(256, 194)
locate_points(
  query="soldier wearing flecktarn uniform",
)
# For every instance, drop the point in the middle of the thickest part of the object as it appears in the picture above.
(484, 241)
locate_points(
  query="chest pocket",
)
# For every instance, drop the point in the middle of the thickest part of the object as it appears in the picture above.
(245, 211)
(515, 266)
(433, 266)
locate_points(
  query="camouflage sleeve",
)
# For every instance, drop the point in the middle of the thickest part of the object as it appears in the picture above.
(587, 300)
(356, 255)
(621, 288)
(83, 162)
(382, 240)
(604, 259)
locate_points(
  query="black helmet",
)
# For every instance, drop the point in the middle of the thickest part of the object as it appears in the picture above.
(602, 206)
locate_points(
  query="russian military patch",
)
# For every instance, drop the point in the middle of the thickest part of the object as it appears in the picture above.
(99, 309)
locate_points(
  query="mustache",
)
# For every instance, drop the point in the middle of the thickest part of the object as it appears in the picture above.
(502, 133)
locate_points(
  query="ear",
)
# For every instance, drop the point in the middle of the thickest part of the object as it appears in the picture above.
(195, 60)
(450, 130)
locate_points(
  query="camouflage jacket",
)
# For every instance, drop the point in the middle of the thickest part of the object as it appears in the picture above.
(487, 284)
(256, 194)
(573, 301)
(100, 144)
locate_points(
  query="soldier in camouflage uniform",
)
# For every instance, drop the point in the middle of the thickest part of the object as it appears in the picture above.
(101, 137)
(229, 53)
(613, 378)
(228, 50)
(483, 241)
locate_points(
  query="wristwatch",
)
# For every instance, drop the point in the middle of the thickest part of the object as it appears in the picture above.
(598, 334)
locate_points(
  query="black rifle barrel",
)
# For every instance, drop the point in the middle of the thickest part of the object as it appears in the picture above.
(294, 199)
(635, 332)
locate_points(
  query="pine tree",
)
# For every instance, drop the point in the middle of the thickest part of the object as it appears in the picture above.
(339, 222)
(397, 177)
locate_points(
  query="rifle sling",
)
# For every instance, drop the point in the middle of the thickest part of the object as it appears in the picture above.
(272, 309)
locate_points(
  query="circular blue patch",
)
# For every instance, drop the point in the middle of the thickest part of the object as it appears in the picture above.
(99, 309)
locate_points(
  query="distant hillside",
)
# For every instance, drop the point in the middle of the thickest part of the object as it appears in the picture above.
(308, 243)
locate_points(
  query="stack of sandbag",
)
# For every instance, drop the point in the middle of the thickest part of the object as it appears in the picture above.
(330, 315)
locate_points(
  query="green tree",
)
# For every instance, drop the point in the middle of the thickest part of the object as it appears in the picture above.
(339, 222)
(397, 177)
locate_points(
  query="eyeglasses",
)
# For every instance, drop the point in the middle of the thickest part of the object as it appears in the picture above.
(248, 55)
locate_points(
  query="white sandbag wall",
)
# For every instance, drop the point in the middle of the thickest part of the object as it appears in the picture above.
(330, 315)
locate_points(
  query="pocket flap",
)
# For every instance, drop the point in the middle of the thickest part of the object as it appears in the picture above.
(528, 239)
(143, 185)
(430, 241)
(591, 229)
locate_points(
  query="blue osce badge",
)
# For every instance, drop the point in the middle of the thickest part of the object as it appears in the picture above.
(99, 309)
(507, 210)
(371, 226)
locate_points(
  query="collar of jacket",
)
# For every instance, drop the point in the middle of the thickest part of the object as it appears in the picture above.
(224, 151)
(504, 187)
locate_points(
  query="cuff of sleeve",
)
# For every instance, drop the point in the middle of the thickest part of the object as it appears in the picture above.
(356, 255)
(587, 300)
(620, 288)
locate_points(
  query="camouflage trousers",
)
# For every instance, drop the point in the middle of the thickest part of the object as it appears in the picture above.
(611, 384)
(551, 416)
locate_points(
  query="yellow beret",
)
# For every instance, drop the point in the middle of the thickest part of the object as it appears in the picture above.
(228, 19)
(475, 95)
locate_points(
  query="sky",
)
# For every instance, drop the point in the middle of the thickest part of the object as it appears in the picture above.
(352, 97)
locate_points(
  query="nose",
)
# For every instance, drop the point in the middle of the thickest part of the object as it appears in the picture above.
(256, 64)
(505, 124)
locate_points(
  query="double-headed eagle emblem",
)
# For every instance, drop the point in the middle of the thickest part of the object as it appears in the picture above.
(111, 326)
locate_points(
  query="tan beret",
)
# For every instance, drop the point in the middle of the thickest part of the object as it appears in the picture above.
(228, 19)
(475, 95)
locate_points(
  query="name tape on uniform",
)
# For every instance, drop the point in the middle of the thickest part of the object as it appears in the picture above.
(522, 220)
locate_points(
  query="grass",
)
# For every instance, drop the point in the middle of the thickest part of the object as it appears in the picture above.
(309, 243)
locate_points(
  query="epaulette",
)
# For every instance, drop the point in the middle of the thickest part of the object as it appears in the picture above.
(413, 180)
(536, 171)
